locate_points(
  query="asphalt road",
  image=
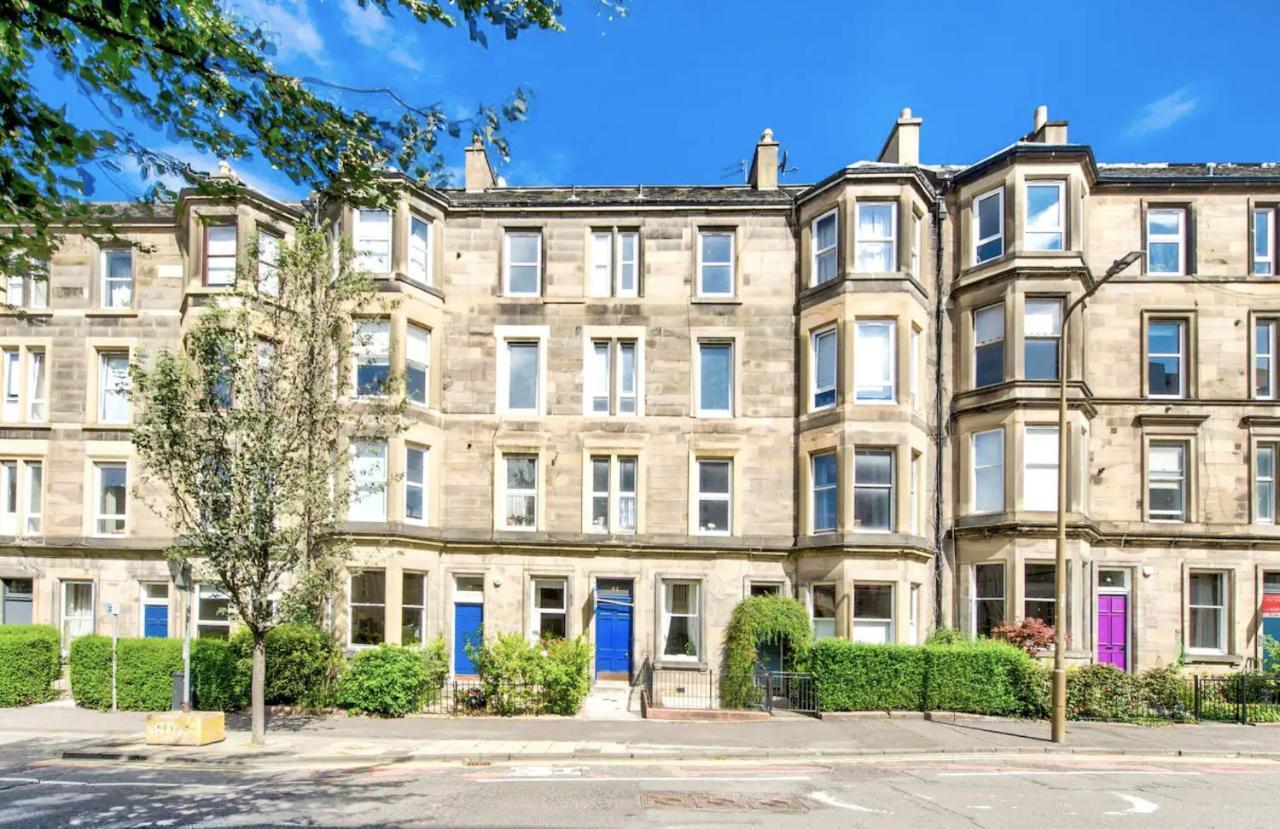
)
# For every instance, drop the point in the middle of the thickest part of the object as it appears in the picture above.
(985, 791)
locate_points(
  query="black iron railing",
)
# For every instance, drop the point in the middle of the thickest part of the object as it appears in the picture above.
(1243, 697)
(690, 689)
(788, 691)
(480, 698)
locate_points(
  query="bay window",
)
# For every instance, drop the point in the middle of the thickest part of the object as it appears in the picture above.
(415, 484)
(368, 498)
(823, 351)
(988, 471)
(417, 362)
(1042, 336)
(269, 263)
(419, 250)
(825, 492)
(367, 600)
(1040, 468)
(220, 255)
(876, 245)
(371, 350)
(988, 226)
(988, 345)
(873, 490)
(413, 609)
(373, 240)
(988, 598)
(873, 613)
(1046, 215)
(1039, 591)
(823, 608)
(825, 240)
(875, 361)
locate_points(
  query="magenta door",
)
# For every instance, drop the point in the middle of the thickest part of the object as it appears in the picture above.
(1113, 630)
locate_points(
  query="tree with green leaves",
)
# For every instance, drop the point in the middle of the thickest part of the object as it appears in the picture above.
(203, 74)
(244, 434)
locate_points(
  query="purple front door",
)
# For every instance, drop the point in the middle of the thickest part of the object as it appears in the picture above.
(1113, 629)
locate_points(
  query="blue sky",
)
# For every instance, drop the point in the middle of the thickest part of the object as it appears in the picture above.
(677, 91)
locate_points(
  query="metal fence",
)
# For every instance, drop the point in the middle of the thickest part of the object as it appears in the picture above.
(685, 689)
(1243, 697)
(480, 698)
(788, 691)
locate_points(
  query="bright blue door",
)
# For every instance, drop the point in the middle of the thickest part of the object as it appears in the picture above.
(613, 630)
(155, 621)
(468, 629)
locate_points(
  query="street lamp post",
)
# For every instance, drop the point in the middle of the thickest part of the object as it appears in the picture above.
(1060, 567)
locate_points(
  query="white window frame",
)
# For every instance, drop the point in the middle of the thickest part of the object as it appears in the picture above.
(695, 617)
(833, 620)
(508, 262)
(366, 259)
(1179, 238)
(376, 487)
(913, 369)
(1264, 486)
(605, 278)
(505, 336)
(207, 591)
(1264, 265)
(209, 257)
(105, 388)
(891, 487)
(1060, 231)
(423, 365)
(364, 352)
(1029, 493)
(732, 346)
(978, 240)
(1179, 479)
(733, 275)
(1222, 610)
(891, 240)
(832, 250)
(98, 516)
(726, 497)
(917, 231)
(861, 386)
(1051, 600)
(815, 489)
(421, 609)
(913, 614)
(106, 281)
(64, 617)
(613, 384)
(913, 494)
(979, 344)
(537, 611)
(420, 264)
(269, 262)
(1184, 329)
(420, 486)
(507, 492)
(351, 605)
(1056, 339)
(614, 495)
(23, 479)
(888, 624)
(975, 467)
(26, 290)
(12, 358)
(1265, 361)
(815, 388)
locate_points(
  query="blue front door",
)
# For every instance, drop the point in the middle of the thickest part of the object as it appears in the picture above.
(613, 629)
(468, 629)
(155, 621)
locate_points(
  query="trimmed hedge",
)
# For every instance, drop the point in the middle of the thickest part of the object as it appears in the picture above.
(302, 662)
(29, 664)
(219, 680)
(144, 672)
(979, 678)
(389, 680)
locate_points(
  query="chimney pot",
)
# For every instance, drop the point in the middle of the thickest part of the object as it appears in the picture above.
(906, 113)
(1042, 116)
(764, 164)
(903, 144)
(478, 173)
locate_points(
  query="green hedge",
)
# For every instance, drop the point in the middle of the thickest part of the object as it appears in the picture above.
(389, 680)
(981, 677)
(219, 679)
(29, 664)
(521, 677)
(772, 619)
(144, 672)
(302, 663)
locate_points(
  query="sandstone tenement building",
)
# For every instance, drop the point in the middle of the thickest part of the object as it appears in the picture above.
(633, 406)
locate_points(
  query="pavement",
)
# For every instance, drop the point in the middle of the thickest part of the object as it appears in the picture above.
(62, 730)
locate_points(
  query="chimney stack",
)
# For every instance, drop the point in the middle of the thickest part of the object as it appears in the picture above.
(478, 175)
(903, 144)
(764, 164)
(1046, 131)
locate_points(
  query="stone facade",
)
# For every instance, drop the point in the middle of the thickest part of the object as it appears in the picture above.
(643, 404)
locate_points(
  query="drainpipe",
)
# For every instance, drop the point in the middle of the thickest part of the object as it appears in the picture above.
(939, 430)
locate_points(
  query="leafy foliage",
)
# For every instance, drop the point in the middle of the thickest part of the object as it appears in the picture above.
(144, 672)
(29, 664)
(201, 73)
(552, 676)
(757, 619)
(303, 663)
(1104, 692)
(388, 680)
(979, 677)
(946, 636)
(219, 680)
(1031, 635)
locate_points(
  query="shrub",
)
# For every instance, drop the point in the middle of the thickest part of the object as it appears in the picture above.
(29, 664)
(219, 679)
(946, 636)
(1030, 635)
(1103, 692)
(389, 680)
(144, 672)
(981, 677)
(435, 661)
(758, 619)
(302, 662)
(568, 677)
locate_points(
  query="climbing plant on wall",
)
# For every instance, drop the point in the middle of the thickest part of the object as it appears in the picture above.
(756, 620)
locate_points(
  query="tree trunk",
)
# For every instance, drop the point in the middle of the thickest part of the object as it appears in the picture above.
(257, 690)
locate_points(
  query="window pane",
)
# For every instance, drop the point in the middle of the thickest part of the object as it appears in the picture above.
(521, 473)
(524, 279)
(523, 380)
(824, 368)
(874, 361)
(524, 247)
(713, 477)
(988, 324)
(1044, 207)
(1164, 222)
(873, 601)
(716, 247)
(825, 492)
(716, 368)
(1042, 359)
(713, 515)
(1206, 589)
(873, 467)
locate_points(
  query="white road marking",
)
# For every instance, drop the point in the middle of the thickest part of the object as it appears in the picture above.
(545, 772)
(1137, 806)
(772, 779)
(823, 797)
(116, 784)
(1034, 773)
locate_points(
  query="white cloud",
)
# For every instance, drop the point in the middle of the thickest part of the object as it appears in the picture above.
(1164, 113)
(288, 23)
(371, 28)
